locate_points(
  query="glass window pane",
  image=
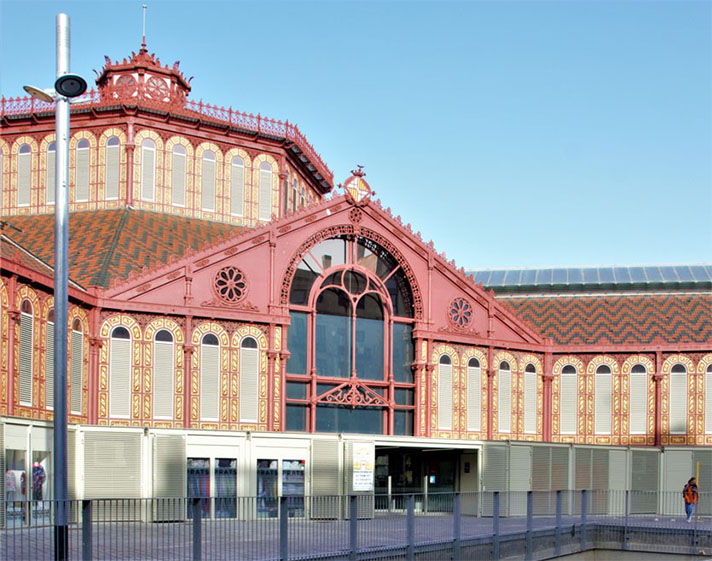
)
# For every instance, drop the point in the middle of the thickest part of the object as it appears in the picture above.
(683, 273)
(267, 488)
(403, 352)
(606, 274)
(297, 344)
(637, 274)
(302, 283)
(373, 257)
(653, 274)
(496, 278)
(333, 334)
(544, 276)
(225, 487)
(403, 422)
(403, 397)
(590, 275)
(330, 253)
(370, 341)
(399, 292)
(296, 390)
(528, 277)
(575, 276)
(361, 420)
(296, 417)
(622, 274)
(560, 276)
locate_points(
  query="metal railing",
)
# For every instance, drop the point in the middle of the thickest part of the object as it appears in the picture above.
(489, 525)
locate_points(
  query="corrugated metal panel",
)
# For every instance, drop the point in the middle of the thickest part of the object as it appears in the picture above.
(112, 467)
(265, 195)
(169, 476)
(163, 379)
(582, 468)
(644, 481)
(75, 381)
(207, 197)
(82, 177)
(325, 479)
(210, 382)
(638, 403)
(51, 159)
(112, 172)
(49, 366)
(237, 187)
(520, 475)
(569, 404)
(120, 378)
(24, 172)
(704, 459)
(249, 384)
(474, 398)
(617, 480)
(678, 469)
(603, 394)
(445, 396)
(708, 401)
(504, 418)
(26, 344)
(541, 468)
(178, 170)
(678, 403)
(148, 172)
(530, 402)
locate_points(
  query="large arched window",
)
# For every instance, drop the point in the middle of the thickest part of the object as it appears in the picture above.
(445, 393)
(82, 163)
(638, 406)
(678, 399)
(76, 380)
(26, 345)
(265, 192)
(163, 379)
(530, 396)
(207, 192)
(568, 400)
(148, 169)
(50, 180)
(237, 186)
(505, 398)
(209, 378)
(350, 341)
(474, 395)
(249, 380)
(24, 173)
(113, 161)
(120, 373)
(603, 398)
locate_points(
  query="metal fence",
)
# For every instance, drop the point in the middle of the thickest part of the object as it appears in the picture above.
(489, 525)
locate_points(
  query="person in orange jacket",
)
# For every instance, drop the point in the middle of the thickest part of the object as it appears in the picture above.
(690, 494)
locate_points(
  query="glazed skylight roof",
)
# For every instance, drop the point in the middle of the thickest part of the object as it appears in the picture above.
(597, 278)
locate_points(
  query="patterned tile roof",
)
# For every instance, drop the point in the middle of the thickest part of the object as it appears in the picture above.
(109, 244)
(12, 251)
(619, 318)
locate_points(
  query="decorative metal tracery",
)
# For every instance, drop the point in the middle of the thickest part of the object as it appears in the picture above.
(230, 284)
(460, 313)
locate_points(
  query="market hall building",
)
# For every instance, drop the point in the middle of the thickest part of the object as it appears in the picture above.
(235, 332)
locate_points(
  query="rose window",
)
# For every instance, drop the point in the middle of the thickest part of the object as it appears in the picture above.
(230, 284)
(460, 313)
(126, 85)
(156, 88)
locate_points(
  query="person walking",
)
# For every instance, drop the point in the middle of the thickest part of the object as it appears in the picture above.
(690, 494)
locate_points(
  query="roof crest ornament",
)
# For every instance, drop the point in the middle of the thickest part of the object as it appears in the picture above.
(143, 39)
(356, 188)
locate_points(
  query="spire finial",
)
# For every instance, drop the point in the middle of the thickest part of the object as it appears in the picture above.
(143, 40)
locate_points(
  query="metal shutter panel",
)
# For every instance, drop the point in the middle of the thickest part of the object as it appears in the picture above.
(178, 179)
(445, 396)
(638, 403)
(169, 477)
(51, 162)
(210, 383)
(112, 172)
(325, 479)
(237, 189)
(265, 195)
(617, 481)
(24, 171)
(541, 479)
(26, 344)
(163, 361)
(678, 469)
(75, 400)
(603, 403)
(120, 378)
(644, 482)
(207, 196)
(474, 398)
(82, 177)
(678, 404)
(520, 473)
(598, 500)
(49, 366)
(249, 384)
(148, 172)
(530, 402)
(504, 423)
(708, 401)
(582, 474)
(494, 477)
(704, 457)
(568, 406)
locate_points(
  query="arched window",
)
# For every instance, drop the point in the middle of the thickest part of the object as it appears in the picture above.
(82, 171)
(237, 186)
(504, 423)
(120, 373)
(163, 378)
(209, 378)
(708, 400)
(26, 345)
(474, 395)
(603, 397)
(50, 181)
(148, 169)
(49, 361)
(178, 175)
(638, 406)
(530, 396)
(265, 192)
(350, 341)
(207, 193)
(302, 199)
(568, 400)
(678, 399)
(24, 174)
(113, 162)
(445, 393)
(249, 380)
(76, 379)
(295, 194)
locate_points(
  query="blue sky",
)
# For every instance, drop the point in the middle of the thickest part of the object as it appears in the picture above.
(512, 134)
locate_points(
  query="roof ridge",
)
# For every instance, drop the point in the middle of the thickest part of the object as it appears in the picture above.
(100, 279)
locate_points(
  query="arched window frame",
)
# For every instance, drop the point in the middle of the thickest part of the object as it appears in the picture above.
(163, 374)
(603, 400)
(120, 352)
(568, 400)
(49, 361)
(179, 175)
(264, 198)
(24, 175)
(295, 195)
(82, 165)
(249, 380)
(530, 399)
(210, 377)
(638, 400)
(474, 395)
(148, 170)
(27, 342)
(112, 171)
(445, 392)
(504, 398)
(51, 172)
(208, 181)
(237, 186)
(678, 399)
(76, 370)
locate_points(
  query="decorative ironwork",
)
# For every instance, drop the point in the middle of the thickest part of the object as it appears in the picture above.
(354, 394)
(230, 284)
(157, 88)
(460, 313)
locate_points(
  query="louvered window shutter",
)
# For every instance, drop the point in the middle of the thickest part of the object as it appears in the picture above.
(249, 385)
(112, 172)
(178, 169)
(24, 171)
(49, 367)
(82, 177)
(265, 196)
(120, 378)
(474, 398)
(51, 159)
(163, 361)
(112, 466)
(76, 372)
(445, 396)
(530, 402)
(237, 187)
(505, 401)
(569, 404)
(678, 403)
(210, 382)
(603, 404)
(708, 400)
(148, 172)
(638, 403)
(208, 183)
(26, 343)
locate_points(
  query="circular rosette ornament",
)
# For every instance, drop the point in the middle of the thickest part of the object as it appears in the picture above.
(460, 313)
(230, 284)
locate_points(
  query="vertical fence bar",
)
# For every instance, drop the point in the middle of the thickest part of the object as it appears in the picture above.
(410, 523)
(557, 532)
(353, 527)
(456, 531)
(625, 520)
(283, 529)
(584, 508)
(495, 526)
(86, 530)
(530, 526)
(197, 530)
